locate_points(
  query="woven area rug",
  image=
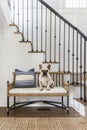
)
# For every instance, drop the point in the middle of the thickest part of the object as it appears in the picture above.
(40, 123)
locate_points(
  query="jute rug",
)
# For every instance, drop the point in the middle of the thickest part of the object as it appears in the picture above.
(40, 123)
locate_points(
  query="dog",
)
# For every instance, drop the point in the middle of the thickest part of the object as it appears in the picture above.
(45, 79)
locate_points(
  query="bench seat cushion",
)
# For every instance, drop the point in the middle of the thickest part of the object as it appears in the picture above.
(37, 90)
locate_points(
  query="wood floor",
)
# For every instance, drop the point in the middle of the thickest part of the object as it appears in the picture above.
(39, 112)
(46, 123)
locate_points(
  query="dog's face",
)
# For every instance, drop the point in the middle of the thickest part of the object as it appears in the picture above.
(44, 71)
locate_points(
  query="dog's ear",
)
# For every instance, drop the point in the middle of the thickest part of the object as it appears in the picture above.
(40, 66)
(49, 66)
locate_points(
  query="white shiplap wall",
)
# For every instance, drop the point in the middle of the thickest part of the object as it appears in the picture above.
(76, 4)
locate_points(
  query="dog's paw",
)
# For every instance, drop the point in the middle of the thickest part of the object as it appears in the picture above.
(52, 87)
(48, 89)
(41, 89)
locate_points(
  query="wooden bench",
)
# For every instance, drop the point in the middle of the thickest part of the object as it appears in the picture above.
(61, 89)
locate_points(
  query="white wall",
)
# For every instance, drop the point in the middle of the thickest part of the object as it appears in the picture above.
(14, 55)
(77, 17)
(4, 9)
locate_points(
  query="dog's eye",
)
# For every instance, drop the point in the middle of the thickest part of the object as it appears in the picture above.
(47, 71)
(42, 70)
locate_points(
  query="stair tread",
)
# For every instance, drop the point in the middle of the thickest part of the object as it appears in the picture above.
(18, 33)
(75, 84)
(25, 41)
(80, 101)
(12, 25)
(36, 51)
(51, 62)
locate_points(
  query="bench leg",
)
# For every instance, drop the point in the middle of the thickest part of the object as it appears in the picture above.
(62, 101)
(67, 104)
(8, 105)
(14, 101)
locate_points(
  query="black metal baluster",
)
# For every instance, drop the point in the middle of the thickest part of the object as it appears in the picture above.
(81, 67)
(23, 17)
(53, 76)
(27, 22)
(50, 33)
(62, 101)
(64, 50)
(85, 71)
(59, 46)
(46, 36)
(36, 25)
(73, 58)
(77, 59)
(56, 80)
(55, 40)
(32, 23)
(9, 3)
(13, 11)
(18, 15)
(38, 79)
(68, 49)
(14, 101)
(41, 27)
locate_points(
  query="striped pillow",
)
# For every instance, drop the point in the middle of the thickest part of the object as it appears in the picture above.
(24, 79)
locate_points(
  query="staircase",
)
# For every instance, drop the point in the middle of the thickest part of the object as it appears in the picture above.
(50, 33)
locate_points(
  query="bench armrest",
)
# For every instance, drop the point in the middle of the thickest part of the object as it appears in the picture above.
(10, 85)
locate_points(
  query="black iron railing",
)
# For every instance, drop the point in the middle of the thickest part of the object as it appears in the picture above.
(77, 51)
(62, 42)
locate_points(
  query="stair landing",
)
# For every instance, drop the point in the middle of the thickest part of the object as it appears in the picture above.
(80, 106)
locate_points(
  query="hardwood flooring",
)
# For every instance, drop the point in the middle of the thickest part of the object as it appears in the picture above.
(39, 112)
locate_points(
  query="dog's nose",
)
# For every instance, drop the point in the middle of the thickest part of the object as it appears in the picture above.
(45, 73)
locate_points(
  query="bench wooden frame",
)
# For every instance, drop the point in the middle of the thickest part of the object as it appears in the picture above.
(20, 104)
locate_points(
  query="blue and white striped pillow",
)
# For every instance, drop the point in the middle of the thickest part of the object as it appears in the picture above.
(24, 79)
